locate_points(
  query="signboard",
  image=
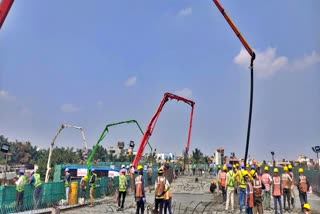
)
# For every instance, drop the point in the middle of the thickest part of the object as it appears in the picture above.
(81, 172)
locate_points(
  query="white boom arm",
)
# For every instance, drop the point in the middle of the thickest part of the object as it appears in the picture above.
(54, 139)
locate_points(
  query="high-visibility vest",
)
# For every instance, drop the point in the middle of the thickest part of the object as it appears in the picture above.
(37, 180)
(138, 185)
(257, 187)
(167, 195)
(286, 183)
(276, 186)
(223, 179)
(266, 180)
(242, 183)
(122, 183)
(20, 187)
(67, 180)
(249, 194)
(230, 179)
(92, 181)
(302, 183)
(161, 187)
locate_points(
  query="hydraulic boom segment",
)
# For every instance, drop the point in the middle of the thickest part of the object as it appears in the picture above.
(5, 6)
(54, 139)
(106, 129)
(153, 122)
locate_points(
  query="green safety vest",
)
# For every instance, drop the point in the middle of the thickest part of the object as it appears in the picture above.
(92, 182)
(67, 182)
(122, 183)
(20, 188)
(37, 179)
(230, 181)
(242, 181)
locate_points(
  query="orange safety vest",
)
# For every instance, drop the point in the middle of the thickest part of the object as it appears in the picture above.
(266, 181)
(303, 183)
(249, 194)
(161, 182)
(138, 184)
(257, 187)
(223, 178)
(167, 195)
(276, 186)
(286, 183)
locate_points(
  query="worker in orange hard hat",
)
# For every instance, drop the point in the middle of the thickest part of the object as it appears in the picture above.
(286, 187)
(303, 186)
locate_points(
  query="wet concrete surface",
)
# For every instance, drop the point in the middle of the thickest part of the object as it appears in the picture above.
(188, 197)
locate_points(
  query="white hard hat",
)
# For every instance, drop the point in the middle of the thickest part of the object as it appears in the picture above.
(123, 166)
(66, 170)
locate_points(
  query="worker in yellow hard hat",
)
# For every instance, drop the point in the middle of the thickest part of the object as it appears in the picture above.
(139, 193)
(213, 186)
(83, 187)
(267, 181)
(306, 208)
(292, 185)
(276, 190)
(286, 188)
(303, 187)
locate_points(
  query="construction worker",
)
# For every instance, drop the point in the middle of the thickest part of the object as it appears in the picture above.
(258, 186)
(161, 187)
(123, 185)
(83, 188)
(267, 181)
(36, 182)
(292, 185)
(241, 183)
(213, 186)
(139, 193)
(276, 190)
(67, 183)
(92, 183)
(222, 183)
(249, 193)
(131, 171)
(230, 187)
(259, 171)
(306, 208)
(286, 188)
(20, 190)
(303, 186)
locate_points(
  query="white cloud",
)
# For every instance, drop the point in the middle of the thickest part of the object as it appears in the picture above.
(185, 92)
(131, 81)
(185, 12)
(4, 95)
(268, 62)
(69, 108)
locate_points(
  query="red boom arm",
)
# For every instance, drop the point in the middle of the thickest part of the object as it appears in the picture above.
(153, 122)
(5, 6)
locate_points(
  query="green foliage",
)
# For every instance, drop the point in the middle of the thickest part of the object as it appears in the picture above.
(197, 155)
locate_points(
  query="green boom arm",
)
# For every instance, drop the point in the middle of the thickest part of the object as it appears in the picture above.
(106, 129)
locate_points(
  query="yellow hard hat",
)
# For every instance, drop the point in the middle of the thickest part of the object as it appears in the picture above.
(300, 170)
(259, 165)
(252, 172)
(234, 166)
(140, 167)
(244, 173)
(285, 168)
(275, 170)
(160, 170)
(306, 206)
(266, 168)
(214, 181)
(224, 167)
(85, 177)
(247, 166)
(237, 164)
(289, 166)
(219, 166)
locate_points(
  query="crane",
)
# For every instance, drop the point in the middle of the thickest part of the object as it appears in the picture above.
(153, 122)
(5, 6)
(54, 139)
(253, 57)
(106, 129)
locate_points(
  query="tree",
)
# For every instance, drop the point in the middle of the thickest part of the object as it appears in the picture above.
(197, 155)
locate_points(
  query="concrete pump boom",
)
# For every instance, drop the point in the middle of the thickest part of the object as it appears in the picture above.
(106, 129)
(153, 122)
(5, 6)
(53, 141)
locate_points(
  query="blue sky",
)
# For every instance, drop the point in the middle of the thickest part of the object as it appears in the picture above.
(90, 64)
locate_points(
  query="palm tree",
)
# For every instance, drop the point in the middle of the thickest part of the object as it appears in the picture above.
(197, 155)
